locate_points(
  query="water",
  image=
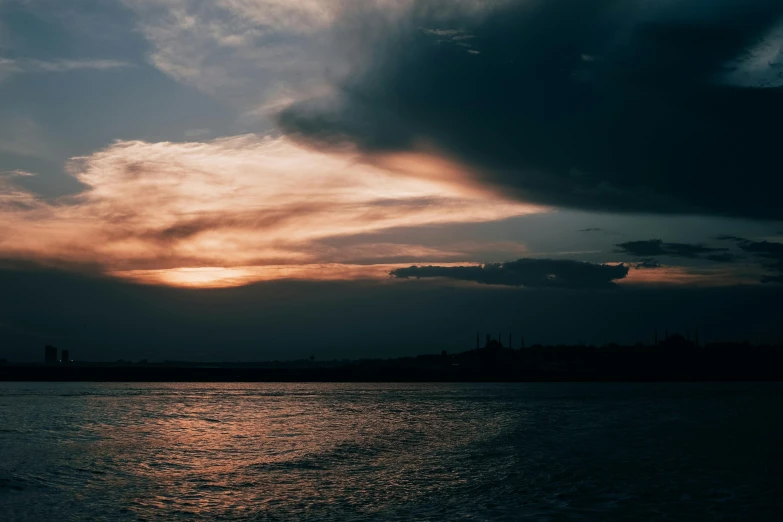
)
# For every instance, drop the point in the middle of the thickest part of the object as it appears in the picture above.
(84, 451)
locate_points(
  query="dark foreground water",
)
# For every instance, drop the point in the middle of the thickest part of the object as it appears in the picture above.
(73, 451)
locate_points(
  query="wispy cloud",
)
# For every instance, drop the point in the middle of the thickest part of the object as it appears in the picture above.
(761, 65)
(243, 51)
(244, 201)
(695, 276)
(656, 247)
(16, 174)
(24, 136)
(10, 67)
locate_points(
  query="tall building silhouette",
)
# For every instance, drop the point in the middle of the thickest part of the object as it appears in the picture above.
(65, 359)
(50, 354)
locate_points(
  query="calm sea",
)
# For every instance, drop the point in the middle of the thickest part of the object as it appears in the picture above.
(78, 451)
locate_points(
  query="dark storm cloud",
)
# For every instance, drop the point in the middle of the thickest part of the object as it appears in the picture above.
(770, 254)
(692, 250)
(646, 263)
(599, 104)
(656, 247)
(650, 247)
(532, 273)
(725, 257)
(729, 237)
(765, 249)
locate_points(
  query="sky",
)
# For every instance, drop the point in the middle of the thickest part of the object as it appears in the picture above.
(266, 179)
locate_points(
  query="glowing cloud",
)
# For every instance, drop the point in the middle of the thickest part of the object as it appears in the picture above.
(238, 206)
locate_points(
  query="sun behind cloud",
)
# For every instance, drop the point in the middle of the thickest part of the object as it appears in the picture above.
(224, 212)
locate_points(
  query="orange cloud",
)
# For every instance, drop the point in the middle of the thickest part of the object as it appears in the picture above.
(238, 206)
(221, 277)
(694, 276)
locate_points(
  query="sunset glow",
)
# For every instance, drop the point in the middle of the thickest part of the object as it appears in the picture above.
(249, 208)
(219, 277)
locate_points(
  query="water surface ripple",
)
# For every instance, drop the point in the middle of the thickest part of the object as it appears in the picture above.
(87, 451)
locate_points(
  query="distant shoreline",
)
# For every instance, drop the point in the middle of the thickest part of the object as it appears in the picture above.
(356, 374)
(675, 360)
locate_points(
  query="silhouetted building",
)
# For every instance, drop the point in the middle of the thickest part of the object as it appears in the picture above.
(50, 354)
(677, 341)
(66, 357)
(493, 345)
